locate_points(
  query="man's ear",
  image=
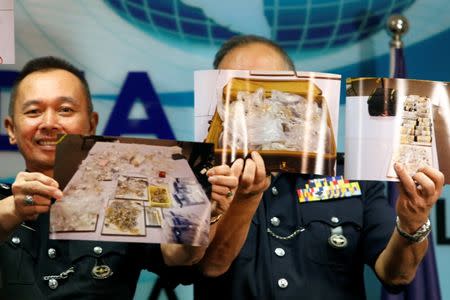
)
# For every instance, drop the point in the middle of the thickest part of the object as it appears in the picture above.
(9, 125)
(93, 122)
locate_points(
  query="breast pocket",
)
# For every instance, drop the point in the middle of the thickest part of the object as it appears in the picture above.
(333, 231)
(100, 264)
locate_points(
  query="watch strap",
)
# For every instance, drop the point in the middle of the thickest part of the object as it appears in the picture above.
(418, 236)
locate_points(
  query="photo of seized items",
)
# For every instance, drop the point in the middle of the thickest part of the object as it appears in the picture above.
(415, 148)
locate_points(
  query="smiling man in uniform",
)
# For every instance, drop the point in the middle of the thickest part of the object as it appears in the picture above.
(52, 97)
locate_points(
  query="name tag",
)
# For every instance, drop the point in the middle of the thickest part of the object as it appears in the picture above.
(328, 188)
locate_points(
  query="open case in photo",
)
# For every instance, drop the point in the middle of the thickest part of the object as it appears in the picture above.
(290, 118)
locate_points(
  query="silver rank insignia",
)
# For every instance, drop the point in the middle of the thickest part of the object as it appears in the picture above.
(337, 238)
(101, 272)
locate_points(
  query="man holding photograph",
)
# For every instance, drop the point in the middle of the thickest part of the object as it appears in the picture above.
(52, 97)
(270, 246)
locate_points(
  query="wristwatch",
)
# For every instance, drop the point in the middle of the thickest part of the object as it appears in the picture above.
(418, 236)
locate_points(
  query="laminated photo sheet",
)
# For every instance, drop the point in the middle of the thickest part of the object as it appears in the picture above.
(129, 190)
(7, 54)
(395, 120)
(290, 118)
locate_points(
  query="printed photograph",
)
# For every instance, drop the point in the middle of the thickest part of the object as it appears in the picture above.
(392, 120)
(291, 119)
(117, 189)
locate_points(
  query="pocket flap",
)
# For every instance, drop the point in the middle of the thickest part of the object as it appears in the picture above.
(79, 249)
(334, 212)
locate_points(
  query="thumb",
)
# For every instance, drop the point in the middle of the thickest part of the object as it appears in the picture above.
(237, 167)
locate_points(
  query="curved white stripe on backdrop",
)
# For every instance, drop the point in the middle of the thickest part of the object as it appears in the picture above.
(91, 35)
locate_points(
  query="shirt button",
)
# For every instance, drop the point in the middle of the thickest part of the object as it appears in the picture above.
(282, 283)
(53, 283)
(51, 253)
(280, 252)
(274, 191)
(98, 250)
(335, 220)
(15, 240)
(4, 186)
(275, 221)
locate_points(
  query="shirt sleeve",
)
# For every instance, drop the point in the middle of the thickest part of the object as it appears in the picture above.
(379, 224)
(379, 221)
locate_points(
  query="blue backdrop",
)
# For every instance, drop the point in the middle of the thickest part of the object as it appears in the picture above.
(139, 56)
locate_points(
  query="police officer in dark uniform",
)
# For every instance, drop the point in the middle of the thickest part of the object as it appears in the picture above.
(52, 97)
(272, 245)
(314, 250)
(34, 267)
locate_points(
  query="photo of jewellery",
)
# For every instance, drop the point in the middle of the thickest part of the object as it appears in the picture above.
(67, 216)
(124, 218)
(276, 120)
(120, 191)
(416, 131)
(159, 196)
(132, 188)
(286, 118)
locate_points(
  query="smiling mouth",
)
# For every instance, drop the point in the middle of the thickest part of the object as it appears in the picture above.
(47, 143)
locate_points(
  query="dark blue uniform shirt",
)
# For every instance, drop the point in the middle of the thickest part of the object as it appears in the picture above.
(288, 253)
(28, 255)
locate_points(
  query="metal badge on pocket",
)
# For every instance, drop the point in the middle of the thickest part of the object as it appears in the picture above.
(337, 238)
(101, 270)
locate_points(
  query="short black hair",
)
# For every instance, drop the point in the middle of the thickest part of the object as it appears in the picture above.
(47, 63)
(243, 40)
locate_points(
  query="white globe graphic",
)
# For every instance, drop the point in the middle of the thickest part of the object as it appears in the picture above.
(296, 25)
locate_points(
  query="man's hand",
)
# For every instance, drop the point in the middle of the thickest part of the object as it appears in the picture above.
(418, 194)
(40, 188)
(224, 181)
(254, 180)
(230, 233)
(397, 264)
